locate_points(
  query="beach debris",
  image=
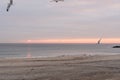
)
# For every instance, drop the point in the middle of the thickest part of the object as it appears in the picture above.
(9, 5)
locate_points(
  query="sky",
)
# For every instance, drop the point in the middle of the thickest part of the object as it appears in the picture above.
(71, 21)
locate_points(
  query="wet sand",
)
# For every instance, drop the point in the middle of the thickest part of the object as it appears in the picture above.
(61, 68)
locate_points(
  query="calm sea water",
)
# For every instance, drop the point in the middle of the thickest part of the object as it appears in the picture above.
(48, 50)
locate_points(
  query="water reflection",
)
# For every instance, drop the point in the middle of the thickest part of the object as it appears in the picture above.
(28, 52)
(29, 55)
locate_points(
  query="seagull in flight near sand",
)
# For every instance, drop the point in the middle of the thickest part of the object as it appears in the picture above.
(9, 5)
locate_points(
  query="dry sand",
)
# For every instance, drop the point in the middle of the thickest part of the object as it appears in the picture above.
(61, 68)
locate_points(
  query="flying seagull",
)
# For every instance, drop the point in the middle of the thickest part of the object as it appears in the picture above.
(99, 41)
(57, 0)
(9, 5)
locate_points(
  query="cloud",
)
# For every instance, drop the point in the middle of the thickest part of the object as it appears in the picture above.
(69, 19)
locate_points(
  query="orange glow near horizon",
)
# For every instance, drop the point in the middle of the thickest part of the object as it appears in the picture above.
(82, 40)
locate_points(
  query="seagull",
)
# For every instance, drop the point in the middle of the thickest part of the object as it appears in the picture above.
(99, 41)
(9, 5)
(57, 0)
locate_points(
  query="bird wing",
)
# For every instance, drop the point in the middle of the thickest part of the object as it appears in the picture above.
(9, 5)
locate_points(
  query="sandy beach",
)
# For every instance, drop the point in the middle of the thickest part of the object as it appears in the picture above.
(61, 68)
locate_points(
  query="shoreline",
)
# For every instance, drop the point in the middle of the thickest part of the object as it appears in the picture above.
(66, 58)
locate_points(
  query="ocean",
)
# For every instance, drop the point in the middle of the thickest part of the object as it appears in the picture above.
(12, 50)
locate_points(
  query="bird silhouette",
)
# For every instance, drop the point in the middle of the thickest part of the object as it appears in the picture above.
(57, 0)
(99, 41)
(9, 5)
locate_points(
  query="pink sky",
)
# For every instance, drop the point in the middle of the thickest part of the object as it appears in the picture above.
(93, 40)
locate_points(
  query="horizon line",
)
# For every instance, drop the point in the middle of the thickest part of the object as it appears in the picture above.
(69, 40)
